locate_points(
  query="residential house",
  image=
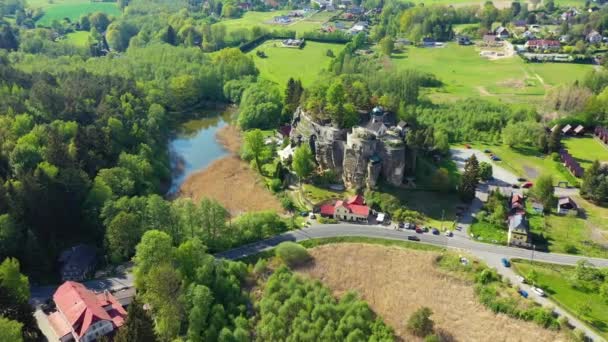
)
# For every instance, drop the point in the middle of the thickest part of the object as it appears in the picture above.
(542, 44)
(529, 35)
(294, 43)
(516, 204)
(594, 37)
(77, 262)
(538, 207)
(579, 130)
(428, 41)
(83, 315)
(359, 27)
(490, 39)
(566, 205)
(502, 32)
(519, 231)
(353, 209)
(463, 40)
(569, 14)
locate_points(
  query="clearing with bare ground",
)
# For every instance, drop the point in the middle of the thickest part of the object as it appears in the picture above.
(230, 181)
(397, 281)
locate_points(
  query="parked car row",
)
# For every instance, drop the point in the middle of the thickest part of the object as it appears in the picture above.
(422, 229)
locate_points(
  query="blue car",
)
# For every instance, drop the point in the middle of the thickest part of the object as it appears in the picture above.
(523, 293)
(505, 262)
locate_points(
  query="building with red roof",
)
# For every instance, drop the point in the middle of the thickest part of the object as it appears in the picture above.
(83, 315)
(353, 209)
(542, 44)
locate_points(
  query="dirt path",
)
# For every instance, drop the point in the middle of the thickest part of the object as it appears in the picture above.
(396, 282)
(230, 180)
(483, 91)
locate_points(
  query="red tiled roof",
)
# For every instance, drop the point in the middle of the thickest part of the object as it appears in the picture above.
(59, 324)
(362, 210)
(358, 199)
(517, 198)
(328, 209)
(82, 308)
(543, 42)
(285, 130)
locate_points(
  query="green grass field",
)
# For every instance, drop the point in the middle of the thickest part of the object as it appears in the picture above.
(78, 38)
(264, 19)
(282, 63)
(466, 74)
(497, 3)
(554, 280)
(585, 150)
(73, 9)
(527, 162)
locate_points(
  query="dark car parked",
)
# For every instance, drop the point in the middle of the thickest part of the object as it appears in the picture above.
(413, 238)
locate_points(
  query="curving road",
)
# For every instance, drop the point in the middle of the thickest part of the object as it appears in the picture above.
(491, 254)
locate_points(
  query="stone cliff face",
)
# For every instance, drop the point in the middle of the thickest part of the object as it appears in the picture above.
(360, 156)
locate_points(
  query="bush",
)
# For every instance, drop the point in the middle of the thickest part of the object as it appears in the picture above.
(570, 249)
(326, 220)
(275, 185)
(260, 266)
(432, 338)
(292, 253)
(420, 323)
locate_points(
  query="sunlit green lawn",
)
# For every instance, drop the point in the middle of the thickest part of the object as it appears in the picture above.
(554, 280)
(466, 74)
(72, 9)
(305, 64)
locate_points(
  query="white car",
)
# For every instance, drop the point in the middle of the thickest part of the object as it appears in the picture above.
(539, 291)
(521, 279)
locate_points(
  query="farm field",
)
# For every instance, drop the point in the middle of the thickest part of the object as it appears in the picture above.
(466, 74)
(73, 9)
(554, 280)
(282, 63)
(79, 38)
(394, 289)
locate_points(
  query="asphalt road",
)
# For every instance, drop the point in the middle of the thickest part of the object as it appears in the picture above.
(492, 254)
(345, 229)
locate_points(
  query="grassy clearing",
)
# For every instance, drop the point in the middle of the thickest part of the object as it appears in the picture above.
(585, 150)
(282, 63)
(487, 232)
(264, 19)
(74, 9)
(553, 279)
(565, 234)
(317, 195)
(526, 161)
(372, 241)
(78, 38)
(498, 3)
(439, 208)
(466, 74)
(397, 281)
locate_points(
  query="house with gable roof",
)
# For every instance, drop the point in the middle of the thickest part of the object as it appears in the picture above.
(83, 315)
(353, 209)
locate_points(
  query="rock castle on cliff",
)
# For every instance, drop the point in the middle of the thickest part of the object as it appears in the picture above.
(361, 155)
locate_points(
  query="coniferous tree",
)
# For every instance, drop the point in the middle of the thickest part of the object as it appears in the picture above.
(469, 179)
(555, 140)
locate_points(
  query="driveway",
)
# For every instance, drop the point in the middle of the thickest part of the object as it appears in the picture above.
(502, 181)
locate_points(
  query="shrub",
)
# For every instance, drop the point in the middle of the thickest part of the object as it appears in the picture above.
(260, 266)
(570, 249)
(432, 338)
(292, 253)
(275, 185)
(420, 323)
(326, 220)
